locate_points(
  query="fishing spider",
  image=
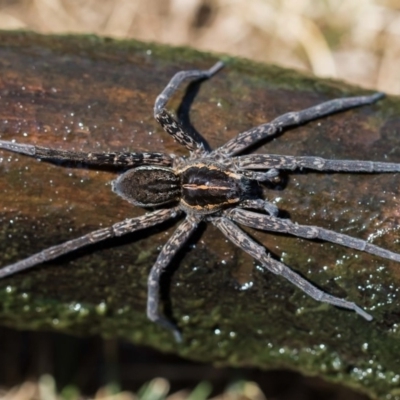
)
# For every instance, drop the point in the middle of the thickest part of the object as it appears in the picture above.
(212, 186)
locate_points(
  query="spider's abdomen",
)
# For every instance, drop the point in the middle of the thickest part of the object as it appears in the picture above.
(207, 187)
(148, 186)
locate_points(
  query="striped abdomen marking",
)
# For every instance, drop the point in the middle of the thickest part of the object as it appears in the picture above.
(209, 187)
(148, 186)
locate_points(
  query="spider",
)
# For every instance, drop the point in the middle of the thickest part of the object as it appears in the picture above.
(210, 186)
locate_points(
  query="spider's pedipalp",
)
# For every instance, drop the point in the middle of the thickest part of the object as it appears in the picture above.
(117, 159)
(260, 204)
(268, 161)
(260, 176)
(174, 243)
(242, 240)
(275, 224)
(252, 136)
(118, 229)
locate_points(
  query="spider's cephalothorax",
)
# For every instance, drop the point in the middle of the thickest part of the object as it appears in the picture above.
(215, 186)
(202, 187)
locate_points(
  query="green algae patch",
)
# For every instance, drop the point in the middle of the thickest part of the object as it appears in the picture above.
(91, 94)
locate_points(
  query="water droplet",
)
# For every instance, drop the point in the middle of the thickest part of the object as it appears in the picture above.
(101, 308)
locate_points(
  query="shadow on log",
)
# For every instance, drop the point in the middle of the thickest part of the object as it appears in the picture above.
(91, 94)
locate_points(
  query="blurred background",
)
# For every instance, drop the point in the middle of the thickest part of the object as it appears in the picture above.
(353, 40)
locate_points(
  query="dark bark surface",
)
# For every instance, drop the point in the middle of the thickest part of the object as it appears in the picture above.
(91, 94)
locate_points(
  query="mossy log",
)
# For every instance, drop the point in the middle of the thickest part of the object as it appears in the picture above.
(93, 94)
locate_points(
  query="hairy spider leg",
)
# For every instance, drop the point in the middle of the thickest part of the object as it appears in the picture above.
(190, 140)
(243, 241)
(98, 159)
(118, 229)
(252, 136)
(174, 243)
(274, 161)
(275, 224)
(260, 176)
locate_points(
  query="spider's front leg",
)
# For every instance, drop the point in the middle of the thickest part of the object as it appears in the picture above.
(271, 161)
(242, 240)
(175, 242)
(252, 136)
(190, 140)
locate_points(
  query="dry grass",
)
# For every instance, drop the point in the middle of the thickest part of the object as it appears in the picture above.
(354, 40)
(157, 389)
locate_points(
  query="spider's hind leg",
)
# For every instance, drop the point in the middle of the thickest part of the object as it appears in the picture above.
(242, 240)
(190, 140)
(273, 224)
(175, 242)
(119, 229)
